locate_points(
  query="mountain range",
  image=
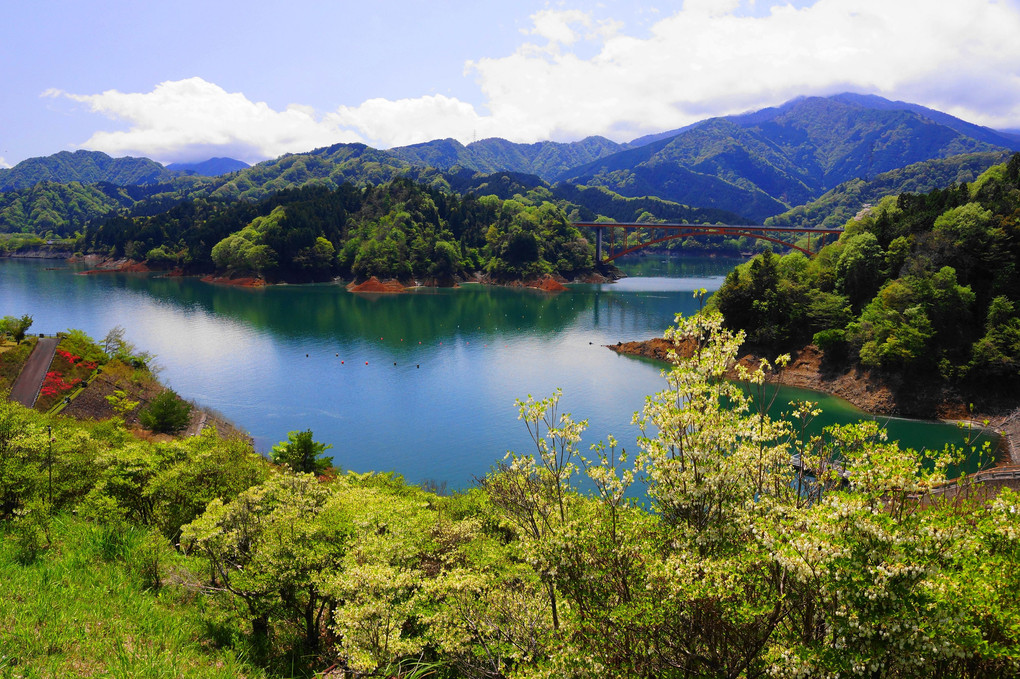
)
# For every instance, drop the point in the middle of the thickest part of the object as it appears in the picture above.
(755, 165)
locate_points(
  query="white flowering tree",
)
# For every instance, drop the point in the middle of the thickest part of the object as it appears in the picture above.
(764, 551)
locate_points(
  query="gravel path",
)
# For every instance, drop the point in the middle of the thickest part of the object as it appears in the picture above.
(26, 388)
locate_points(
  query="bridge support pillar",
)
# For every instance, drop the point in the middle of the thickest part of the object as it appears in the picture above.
(598, 243)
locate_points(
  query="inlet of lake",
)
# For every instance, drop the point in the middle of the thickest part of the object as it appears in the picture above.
(421, 383)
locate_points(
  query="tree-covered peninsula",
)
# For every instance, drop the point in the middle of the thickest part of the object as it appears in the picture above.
(920, 288)
(138, 556)
(402, 230)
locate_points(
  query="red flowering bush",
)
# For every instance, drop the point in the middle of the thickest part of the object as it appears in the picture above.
(77, 360)
(67, 371)
(55, 384)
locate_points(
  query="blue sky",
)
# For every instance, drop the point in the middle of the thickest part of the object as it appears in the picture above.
(187, 80)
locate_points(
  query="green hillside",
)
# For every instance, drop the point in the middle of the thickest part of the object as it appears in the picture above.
(843, 202)
(763, 164)
(754, 166)
(400, 229)
(923, 288)
(545, 159)
(87, 167)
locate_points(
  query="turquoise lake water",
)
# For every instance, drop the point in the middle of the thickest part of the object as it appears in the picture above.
(422, 383)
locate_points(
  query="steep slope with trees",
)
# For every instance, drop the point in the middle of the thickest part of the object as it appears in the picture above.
(921, 288)
(843, 202)
(61, 209)
(784, 156)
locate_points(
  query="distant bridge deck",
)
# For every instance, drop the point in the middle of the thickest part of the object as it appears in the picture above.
(685, 230)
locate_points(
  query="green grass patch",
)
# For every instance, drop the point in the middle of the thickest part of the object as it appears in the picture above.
(12, 360)
(96, 604)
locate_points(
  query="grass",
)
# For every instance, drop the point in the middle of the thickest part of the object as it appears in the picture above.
(12, 359)
(82, 608)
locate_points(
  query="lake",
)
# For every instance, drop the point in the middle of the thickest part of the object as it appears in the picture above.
(422, 383)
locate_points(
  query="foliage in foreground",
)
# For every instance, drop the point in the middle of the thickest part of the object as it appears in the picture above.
(87, 606)
(740, 565)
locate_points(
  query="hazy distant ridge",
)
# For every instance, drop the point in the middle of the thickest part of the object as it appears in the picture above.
(213, 167)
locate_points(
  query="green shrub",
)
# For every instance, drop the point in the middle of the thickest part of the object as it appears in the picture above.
(31, 532)
(833, 339)
(166, 414)
(301, 453)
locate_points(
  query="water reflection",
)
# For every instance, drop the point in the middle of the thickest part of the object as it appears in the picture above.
(421, 383)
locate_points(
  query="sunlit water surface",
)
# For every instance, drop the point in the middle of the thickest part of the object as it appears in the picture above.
(422, 383)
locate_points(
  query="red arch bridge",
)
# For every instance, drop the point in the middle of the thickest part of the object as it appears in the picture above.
(672, 231)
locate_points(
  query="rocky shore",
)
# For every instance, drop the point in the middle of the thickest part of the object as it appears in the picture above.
(874, 393)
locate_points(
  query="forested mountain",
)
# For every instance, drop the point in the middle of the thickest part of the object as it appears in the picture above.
(785, 156)
(546, 159)
(584, 203)
(86, 167)
(1005, 138)
(331, 166)
(51, 207)
(921, 287)
(751, 167)
(358, 163)
(846, 200)
(985, 134)
(61, 209)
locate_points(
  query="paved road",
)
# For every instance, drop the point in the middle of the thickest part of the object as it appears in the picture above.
(26, 387)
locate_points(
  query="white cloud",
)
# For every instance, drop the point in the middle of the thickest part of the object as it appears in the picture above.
(186, 119)
(409, 121)
(575, 76)
(556, 26)
(708, 60)
(559, 27)
(4, 164)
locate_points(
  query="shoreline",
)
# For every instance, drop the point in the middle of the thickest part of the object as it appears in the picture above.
(371, 285)
(868, 392)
